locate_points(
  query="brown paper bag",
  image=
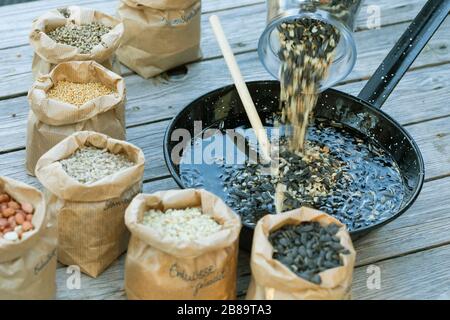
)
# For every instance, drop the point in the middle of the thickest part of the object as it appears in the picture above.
(91, 227)
(271, 280)
(157, 267)
(50, 120)
(49, 53)
(159, 34)
(28, 266)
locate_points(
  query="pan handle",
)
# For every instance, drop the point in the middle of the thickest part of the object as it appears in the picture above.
(405, 51)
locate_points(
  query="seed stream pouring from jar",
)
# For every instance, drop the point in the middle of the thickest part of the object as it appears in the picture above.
(341, 15)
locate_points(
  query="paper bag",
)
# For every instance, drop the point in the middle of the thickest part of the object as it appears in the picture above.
(50, 120)
(159, 34)
(158, 267)
(91, 227)
(48, 52)
(28, 266)
(272, 280)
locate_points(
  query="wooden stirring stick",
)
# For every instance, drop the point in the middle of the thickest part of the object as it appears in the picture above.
(241, 87)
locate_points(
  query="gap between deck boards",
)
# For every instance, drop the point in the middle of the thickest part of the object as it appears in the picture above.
(391, 13)
(242, 42)
(163, 105)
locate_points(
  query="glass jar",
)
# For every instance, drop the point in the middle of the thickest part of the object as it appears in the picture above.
(339, 13)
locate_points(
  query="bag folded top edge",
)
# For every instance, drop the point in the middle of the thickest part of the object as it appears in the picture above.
(53, 177)
(281, 277)
(58, 113)
(161, 4)
(21, 192)
(209, 203)
(54, 52)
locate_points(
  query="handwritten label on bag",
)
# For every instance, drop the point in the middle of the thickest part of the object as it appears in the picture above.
(41, 265)
(198, 280)
(183, 19)
(125, 199)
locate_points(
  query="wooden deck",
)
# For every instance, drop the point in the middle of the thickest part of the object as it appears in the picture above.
(413, 252)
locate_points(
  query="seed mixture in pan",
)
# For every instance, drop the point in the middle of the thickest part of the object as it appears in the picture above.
(15, 218)
(342, 9)
(308, 249)
(85, 37)
(306, 53)
(182, 224)
(340, 173)
(90, 164)
(78, 93)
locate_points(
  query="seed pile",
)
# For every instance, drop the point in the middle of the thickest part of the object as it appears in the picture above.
(185, 225)
(89, 164)
(85, 37)
(15, 218)
(315, 165)
(250, 191)
(350, 178)
(308, 249)
(342, 9)
(307, 177)
(78, 93)
(306, 52)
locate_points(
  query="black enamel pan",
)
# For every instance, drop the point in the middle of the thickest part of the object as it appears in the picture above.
(361, 113)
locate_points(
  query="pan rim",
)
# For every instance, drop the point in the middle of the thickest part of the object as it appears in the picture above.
(360, 231)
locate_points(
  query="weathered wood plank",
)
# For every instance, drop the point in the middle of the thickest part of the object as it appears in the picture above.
(424, 225)
(18, 60)
(423, 275)
(148, 137)
(409, 233)
(110, 284)
(16, 19)
(406, 234)
(433, 138)
(428, 103)
(421, 95)
(164, 96)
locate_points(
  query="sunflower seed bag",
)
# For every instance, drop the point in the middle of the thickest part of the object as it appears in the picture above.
(159, 34)
(272, 280)
(91, 227)
(161, 267)
(48, 52)
(28, 266)
(51, 120)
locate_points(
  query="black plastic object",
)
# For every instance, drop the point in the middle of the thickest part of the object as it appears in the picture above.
(224, 106)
